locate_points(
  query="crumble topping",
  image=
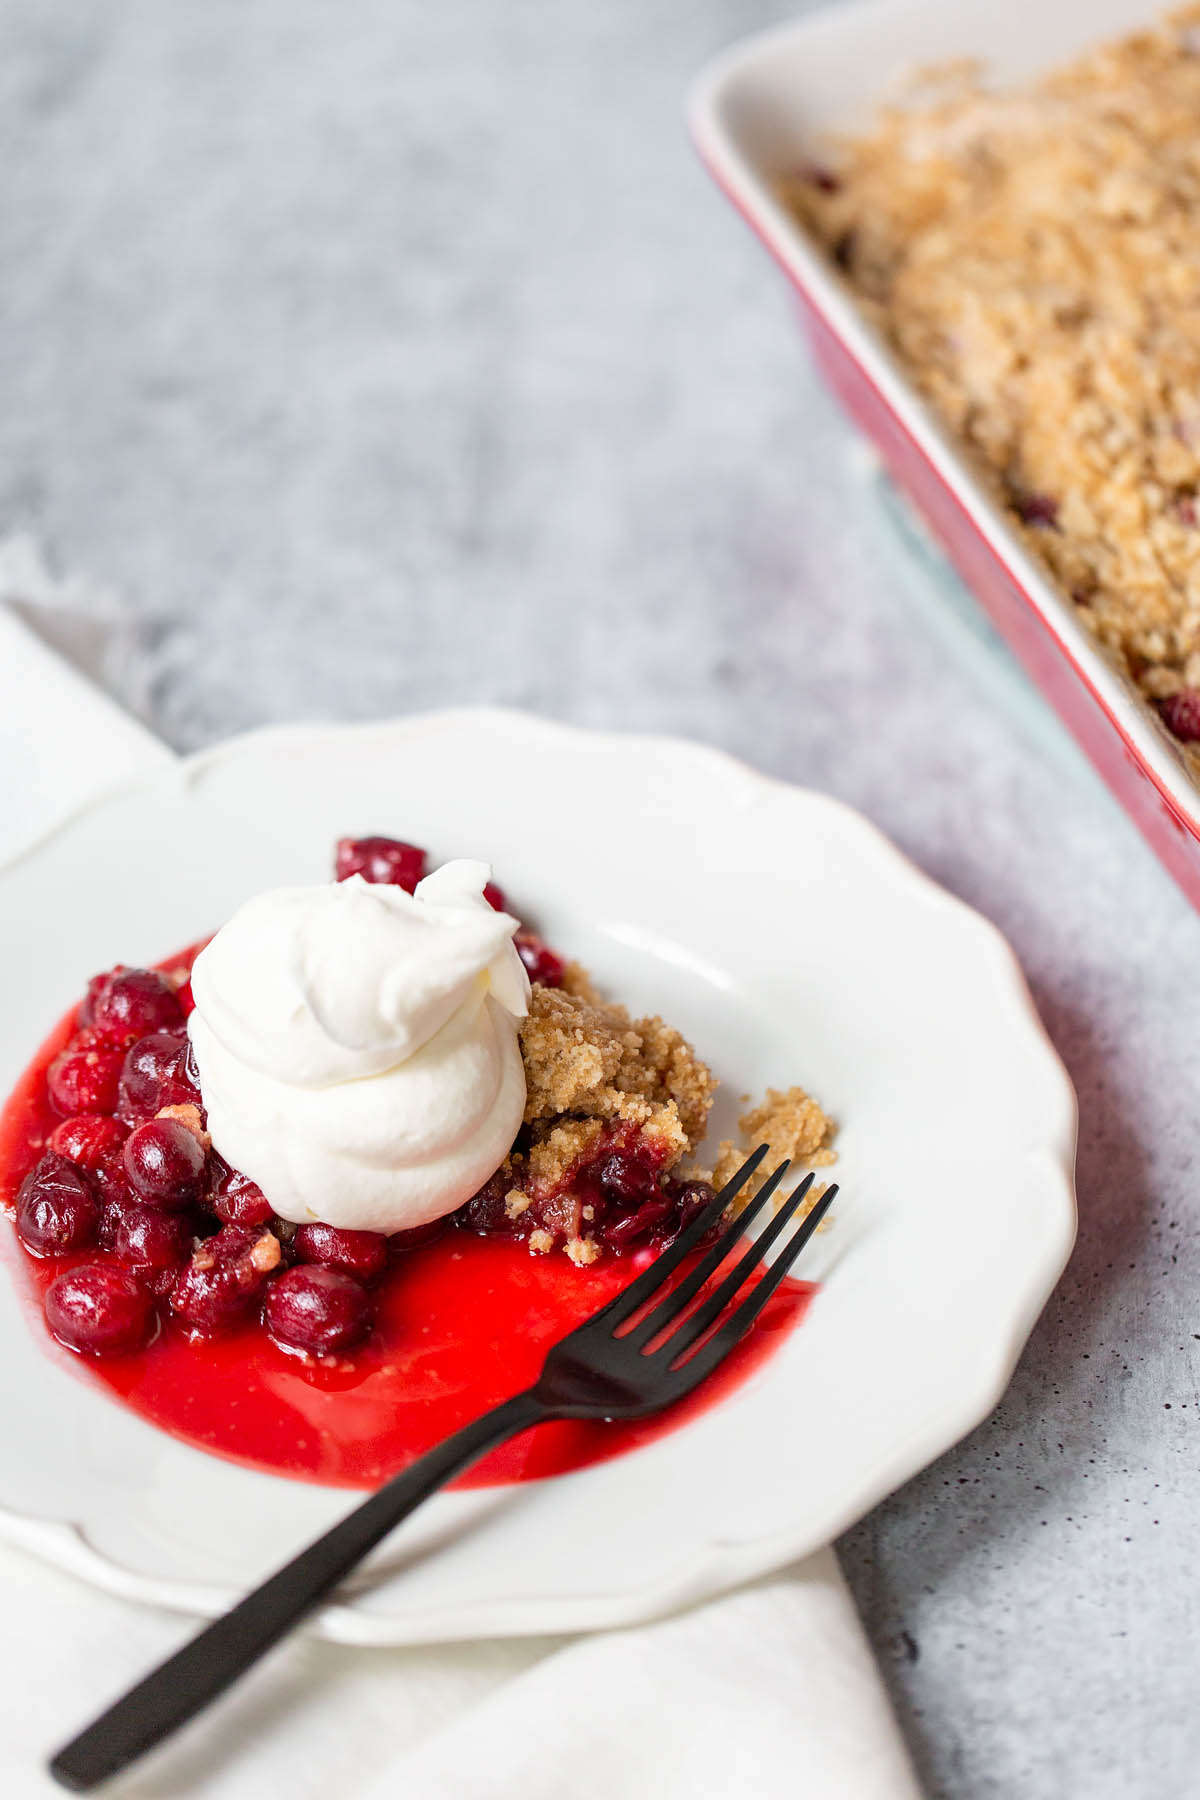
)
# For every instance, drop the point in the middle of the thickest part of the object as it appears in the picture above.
(792, 1125)
(614, 1105)
(587, 1059)
(1033, 259)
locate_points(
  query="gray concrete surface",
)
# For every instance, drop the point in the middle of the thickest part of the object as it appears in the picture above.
(390, 354)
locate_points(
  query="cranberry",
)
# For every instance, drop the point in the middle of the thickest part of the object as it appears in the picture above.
(691, 1198)
(818, 176)
(144, 1238)
(83, 1015)
(317, 1309)
(93, 1142)
(225, 1276)
(360, 1253)
(165, 1164)
(417, 1235)
(1181, 714)
(130, 1004)
(157, 1073)
(541, 963)
(627, 1179)
(239, 1201)
(380, 859)
(1036, 509)
(485, 1211)
(495, 897)
(85, 1078)
(56, 1210)
(632, 1228)
(99, 1309)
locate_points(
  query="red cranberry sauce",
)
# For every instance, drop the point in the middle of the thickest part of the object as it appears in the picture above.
(330, 1355)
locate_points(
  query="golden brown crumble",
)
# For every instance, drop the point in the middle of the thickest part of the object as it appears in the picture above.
(591, 1070)
(792, 1126)
(588, 1065)
(1034, 259)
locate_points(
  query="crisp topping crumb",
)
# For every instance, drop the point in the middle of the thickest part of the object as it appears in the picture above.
(792, 1125)
(540, 1242)
(582, 1250)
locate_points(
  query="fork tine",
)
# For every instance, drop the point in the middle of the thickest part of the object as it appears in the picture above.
(624, 1304)
(736, 1327)
(678, 1297)
(691, 1329)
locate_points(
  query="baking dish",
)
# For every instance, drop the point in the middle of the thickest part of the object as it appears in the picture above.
(763, 109)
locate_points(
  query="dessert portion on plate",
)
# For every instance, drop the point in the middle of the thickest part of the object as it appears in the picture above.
(1031, 258)
(278, 1142)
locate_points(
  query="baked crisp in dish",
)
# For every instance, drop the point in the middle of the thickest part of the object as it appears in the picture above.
(1034, 259)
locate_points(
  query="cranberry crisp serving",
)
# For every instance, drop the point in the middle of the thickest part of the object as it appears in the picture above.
(119, 1186)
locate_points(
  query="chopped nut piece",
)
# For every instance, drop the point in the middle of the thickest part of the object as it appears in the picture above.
(190, 1117)
(266, 1252)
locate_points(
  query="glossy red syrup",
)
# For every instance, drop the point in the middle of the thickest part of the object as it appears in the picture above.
(462, 1323)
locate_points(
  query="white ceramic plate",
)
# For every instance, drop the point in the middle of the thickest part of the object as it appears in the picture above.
(793, 944)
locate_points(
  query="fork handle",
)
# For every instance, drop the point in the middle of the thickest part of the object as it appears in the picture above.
(211, 1661)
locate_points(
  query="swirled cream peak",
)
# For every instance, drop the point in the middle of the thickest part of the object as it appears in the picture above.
(357, 1046)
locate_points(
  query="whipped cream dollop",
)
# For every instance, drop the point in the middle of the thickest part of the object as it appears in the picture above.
(357, 1046)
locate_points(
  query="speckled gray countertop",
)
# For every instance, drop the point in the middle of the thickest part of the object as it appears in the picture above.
(388, 354)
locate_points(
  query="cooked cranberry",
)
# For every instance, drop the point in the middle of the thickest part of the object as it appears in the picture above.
(225, 1276)
(541, 963)
(359, 1253)
(145, 1238)
(93, 1142)
(627, 1230)
(56, 1210)
(156, 1073)
(131, 1003)
(818, 176)
(187, 1003)
(1181, 714)
(239, 1201)
(380, 859)
(165, 1164)
(691, 1198)
(485, 1211)
(495, 897)
(418, 1235)
(83, 1015)
(317, 1309)
(99, 1309)
(1036, 509)
(85, 1078)
(627, 1179)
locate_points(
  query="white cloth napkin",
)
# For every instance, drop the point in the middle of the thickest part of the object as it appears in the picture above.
(770, 1691)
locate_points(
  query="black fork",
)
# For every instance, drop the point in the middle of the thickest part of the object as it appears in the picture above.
(626, 1361)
